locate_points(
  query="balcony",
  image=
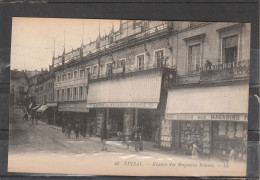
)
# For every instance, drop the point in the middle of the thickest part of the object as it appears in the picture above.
(71, 82)
(226, 71)
(119, 71)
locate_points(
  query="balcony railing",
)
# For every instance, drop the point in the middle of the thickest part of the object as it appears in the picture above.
(225, 71)
(132, 69)
(74, 55)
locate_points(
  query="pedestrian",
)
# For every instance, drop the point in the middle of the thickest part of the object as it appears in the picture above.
(157, 137)
(103, 137)
(232, 154)
(195, 151)
(25, 117)
(69, 128)
(76, 130)
(33, 117)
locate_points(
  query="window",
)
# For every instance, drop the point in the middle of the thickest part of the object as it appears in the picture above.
(69, 75)
(86, 91)
(82, 73)
(88, 72)
(194, 59)
(230, 46)
(75, 94)
(58, 95)
(57, 78)
(140, 62)
(75, 74)
(81, 93)
(95, 70)
(159, 58)
(64, 77)
(121, 63)
(109, 69)
(68, 94)
(63, 95)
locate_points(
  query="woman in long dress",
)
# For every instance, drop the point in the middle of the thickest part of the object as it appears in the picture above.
(195, 151)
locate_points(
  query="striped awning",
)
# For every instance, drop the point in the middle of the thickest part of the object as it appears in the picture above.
(134, 91)
(208, 103)
(42, 108)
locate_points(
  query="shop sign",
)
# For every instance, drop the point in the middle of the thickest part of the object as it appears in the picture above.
(123, 105)
(208, 116)
(73, 107)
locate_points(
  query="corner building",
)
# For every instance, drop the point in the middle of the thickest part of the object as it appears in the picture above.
(189, 79)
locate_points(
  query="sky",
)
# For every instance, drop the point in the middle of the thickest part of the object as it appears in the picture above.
(33, 38)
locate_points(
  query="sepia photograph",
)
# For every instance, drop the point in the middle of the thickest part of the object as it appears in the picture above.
(128, 97)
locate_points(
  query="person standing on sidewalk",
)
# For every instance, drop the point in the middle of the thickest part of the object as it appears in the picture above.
(103, 137)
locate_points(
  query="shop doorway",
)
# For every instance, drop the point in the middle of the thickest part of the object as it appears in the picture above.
(149, 122)
(115, 123)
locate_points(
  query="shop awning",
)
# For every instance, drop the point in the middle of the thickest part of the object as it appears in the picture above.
(36, 107)
(42, 108)
(73, 106)
(135, 91)
(208, 103)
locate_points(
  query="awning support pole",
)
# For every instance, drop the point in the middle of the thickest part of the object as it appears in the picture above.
(136, 117)
(107, 118)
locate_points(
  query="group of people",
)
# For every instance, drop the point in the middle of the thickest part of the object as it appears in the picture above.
(30, 116)
(67, 128)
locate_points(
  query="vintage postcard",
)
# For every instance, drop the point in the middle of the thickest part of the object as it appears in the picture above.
(129, 97)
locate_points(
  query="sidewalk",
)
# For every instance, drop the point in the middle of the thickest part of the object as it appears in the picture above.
(147, 146)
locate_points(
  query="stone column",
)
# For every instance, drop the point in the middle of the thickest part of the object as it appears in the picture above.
(128, 123)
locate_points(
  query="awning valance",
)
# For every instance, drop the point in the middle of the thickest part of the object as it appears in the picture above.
(42, 108)
(73, 106)
(136, 91)
(52, 104)
(208, 103)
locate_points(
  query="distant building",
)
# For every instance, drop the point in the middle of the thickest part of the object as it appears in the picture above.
(32, 73)
(44, 87)
(18, 88)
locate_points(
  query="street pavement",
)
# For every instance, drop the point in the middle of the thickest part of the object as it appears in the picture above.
(44, 148)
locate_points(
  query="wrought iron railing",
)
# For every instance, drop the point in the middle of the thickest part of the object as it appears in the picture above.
(225, 70)
(75, 54)
(132, 69)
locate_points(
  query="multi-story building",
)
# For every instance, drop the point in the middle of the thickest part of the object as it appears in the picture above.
(45, 95)
(18, 88)
(32, 84)
(189, 79)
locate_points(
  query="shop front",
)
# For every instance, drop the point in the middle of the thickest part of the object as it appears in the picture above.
(125, 103)
(213, 118)
(74, 112)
